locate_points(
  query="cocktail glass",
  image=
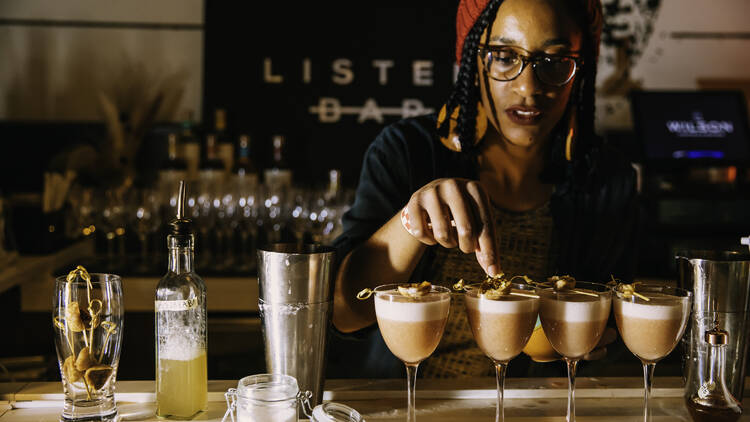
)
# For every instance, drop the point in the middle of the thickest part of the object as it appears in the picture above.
(574, 320)
(412, 327)
(651, 320)
(87, 318)
(502, 325)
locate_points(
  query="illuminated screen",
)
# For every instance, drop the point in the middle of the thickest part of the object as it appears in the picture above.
(691, 125)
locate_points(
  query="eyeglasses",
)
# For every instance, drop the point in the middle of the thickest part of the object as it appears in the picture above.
(505, 63)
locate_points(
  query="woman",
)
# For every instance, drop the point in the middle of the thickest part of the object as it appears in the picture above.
(515, 181)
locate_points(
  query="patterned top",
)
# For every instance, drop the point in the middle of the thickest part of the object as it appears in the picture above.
(525, 240)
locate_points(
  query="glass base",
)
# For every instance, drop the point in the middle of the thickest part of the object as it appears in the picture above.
(103, 410)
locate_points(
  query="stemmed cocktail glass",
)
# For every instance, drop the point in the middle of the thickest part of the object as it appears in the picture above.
(574, 316)
(411, 318)
(651, 320)
(502, 322)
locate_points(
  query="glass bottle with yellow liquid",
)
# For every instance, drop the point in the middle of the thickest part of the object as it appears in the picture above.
(181, 374)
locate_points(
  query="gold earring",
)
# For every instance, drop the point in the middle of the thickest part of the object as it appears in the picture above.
(452, 142)
(572, 133)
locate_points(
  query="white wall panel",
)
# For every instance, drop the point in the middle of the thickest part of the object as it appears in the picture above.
(56, 73)
(691, 39)
(160, 11)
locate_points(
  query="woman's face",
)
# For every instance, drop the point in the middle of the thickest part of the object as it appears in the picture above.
(527, 109)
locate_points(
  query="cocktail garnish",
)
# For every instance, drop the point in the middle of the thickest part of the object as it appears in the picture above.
(493, 288)
(83, 364)
(97, 376)
(415, 290)
(568, 283)
(627, 290)
(70, 371)
(365, 294)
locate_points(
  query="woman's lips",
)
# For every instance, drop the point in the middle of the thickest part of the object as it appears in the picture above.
(523, 115)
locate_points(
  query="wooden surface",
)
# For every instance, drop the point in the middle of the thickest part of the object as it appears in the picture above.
(527, 399)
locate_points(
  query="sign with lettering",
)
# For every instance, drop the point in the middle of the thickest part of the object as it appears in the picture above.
(329, 75)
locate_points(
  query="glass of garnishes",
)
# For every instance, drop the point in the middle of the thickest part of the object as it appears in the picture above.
(411, 318)
(87, 317)
(574, 315)
(502, 315)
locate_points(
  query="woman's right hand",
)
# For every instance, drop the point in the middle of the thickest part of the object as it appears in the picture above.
(454, 213)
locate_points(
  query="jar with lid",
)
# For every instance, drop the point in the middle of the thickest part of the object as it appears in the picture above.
(266, 397)
(335, 412)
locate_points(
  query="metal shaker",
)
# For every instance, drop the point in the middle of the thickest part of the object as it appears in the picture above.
(296, 302)
(720, 282)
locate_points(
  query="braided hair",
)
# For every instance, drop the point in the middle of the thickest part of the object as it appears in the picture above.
(466, 95)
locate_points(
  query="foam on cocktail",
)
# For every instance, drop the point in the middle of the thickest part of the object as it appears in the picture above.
(511, 306)
(651, 311)
(407, 310)
(579, 311)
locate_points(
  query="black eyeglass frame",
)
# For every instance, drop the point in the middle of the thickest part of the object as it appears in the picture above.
(532, 58)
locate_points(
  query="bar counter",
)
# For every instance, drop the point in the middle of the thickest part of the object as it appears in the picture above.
(526, 400)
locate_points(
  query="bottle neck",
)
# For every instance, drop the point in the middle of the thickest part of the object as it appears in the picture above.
(211, 147)
(181, 253)
(172, 148)
(716, 364)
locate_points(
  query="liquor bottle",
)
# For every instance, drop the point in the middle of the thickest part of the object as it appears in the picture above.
(180, 323)
(224, 145)
(245, 176)
(279, 176)
(212, 162)
(174, 165)
(191, 150)
(713, 402)
(333, 191)
(244, 166)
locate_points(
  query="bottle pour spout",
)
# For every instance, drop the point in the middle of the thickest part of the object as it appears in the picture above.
(181, 225)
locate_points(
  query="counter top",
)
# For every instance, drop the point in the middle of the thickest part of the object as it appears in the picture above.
(526, 400)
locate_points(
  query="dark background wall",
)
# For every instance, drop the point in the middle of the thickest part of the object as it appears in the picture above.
(325, 51)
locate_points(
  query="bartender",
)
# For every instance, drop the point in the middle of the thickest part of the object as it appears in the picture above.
(509, 177)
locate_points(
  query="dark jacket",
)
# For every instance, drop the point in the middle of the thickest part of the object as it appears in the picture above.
(594, 209)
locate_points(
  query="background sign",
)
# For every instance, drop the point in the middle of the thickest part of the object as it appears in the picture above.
(328, 75)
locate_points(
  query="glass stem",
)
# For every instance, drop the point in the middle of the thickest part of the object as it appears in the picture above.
(411, 379)
(500, 375)
(144, 247)
(648, 379)
(572, 366)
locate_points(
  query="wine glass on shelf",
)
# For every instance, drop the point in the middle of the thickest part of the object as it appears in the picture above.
(112, 223)
(145, 221)
(299, 213)
(502, 318)
(651, 320)
(574, 316)
(226, 223)
(411, 319)
(246, 220)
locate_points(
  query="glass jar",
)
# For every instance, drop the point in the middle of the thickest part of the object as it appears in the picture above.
(335, 412)
(266, 397)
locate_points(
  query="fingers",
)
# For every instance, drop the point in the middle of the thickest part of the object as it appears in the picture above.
(414, 222)
(487, 248)
(464, 217)
(439, 217)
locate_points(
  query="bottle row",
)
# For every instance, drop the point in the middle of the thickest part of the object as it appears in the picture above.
(221, 153)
